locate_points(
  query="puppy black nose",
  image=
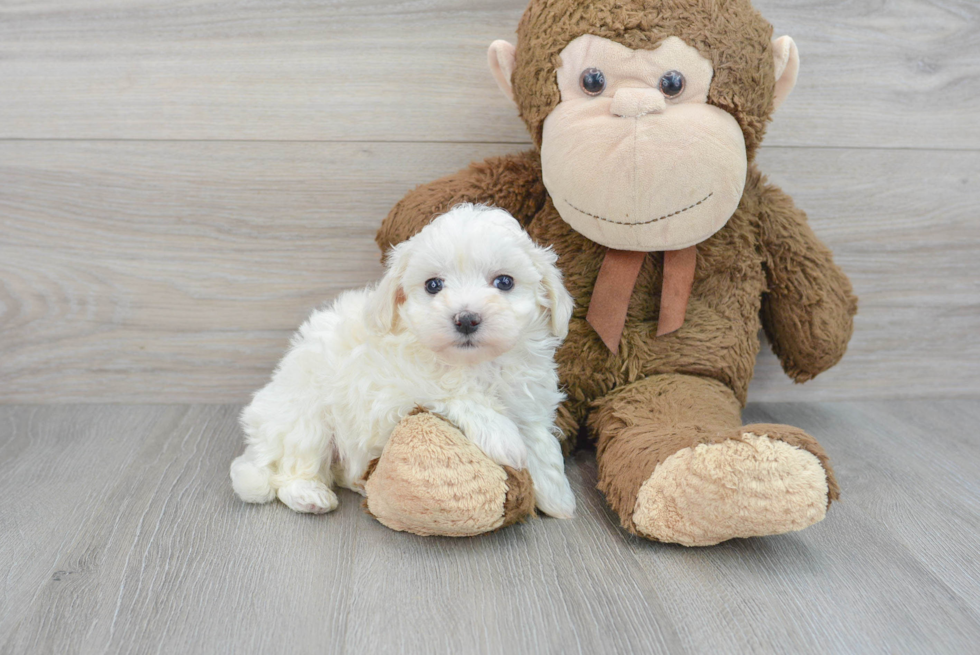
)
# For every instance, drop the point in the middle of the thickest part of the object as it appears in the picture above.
(466, 322)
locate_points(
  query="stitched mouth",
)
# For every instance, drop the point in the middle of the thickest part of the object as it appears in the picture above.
(653, 220)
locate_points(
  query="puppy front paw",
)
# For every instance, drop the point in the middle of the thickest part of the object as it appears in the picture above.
(308, 496)
(506, 454)
(500, 439)
(554, 497)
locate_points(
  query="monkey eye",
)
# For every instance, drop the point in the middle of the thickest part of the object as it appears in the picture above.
(433, 285)
(592, 81)
(503, 282)
(672, 84)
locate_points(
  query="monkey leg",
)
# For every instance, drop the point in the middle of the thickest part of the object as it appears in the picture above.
(431, 480)
(677, 465)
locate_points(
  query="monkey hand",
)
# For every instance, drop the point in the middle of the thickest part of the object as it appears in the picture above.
(809, 335)
(808, 310)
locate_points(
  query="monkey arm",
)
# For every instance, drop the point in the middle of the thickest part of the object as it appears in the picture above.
(808, 310)
(512, 182)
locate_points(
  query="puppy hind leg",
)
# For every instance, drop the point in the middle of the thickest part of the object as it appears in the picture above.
(289, 440)
(303, 484)
(304, 476)
(252, 481)
(308, 497)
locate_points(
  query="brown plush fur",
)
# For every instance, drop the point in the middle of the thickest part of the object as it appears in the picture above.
(431, 480)
(519, 502)
(512, 182)
(765, 268)
(729, 33)
(765, 258)
(643, 423)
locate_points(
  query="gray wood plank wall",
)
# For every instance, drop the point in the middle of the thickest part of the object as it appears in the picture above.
(180, 183)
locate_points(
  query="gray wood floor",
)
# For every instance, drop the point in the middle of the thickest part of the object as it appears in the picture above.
(119, 533)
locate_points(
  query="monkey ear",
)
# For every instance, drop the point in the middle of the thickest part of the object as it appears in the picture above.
(787, 60)
(502, 57)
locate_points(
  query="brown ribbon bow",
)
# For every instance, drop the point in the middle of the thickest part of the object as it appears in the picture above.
(614, 287)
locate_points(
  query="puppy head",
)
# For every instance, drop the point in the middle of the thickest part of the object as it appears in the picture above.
(471, 285)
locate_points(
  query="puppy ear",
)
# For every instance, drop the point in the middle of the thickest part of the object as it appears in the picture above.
(555, 298)
(382, 306)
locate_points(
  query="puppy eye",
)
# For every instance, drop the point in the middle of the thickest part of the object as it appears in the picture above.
(672, 84)
(503, 282)
(592, 81)
(433, 285)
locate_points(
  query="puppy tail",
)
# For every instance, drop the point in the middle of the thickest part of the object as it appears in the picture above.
(251, 482)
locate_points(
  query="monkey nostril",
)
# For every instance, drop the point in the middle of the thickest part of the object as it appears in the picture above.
(633, 103)
(466, 322)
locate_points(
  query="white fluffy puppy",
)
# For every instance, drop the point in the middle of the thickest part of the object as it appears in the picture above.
(464, 323)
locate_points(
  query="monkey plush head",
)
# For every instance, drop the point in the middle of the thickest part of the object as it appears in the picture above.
(646, 112)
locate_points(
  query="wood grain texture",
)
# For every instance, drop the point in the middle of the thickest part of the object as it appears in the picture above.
(864, 580)
(119, 533)
(876, 73)
(175, 272)
(133, 542)
(904, 228)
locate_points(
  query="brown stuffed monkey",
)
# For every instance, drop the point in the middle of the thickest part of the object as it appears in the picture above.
(646, 116)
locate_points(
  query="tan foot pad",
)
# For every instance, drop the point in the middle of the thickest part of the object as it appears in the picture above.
(431, 480)
(747, 487)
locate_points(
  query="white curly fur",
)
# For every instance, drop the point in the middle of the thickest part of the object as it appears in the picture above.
(355, 369)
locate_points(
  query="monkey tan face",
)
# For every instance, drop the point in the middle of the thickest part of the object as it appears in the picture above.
(633, 156)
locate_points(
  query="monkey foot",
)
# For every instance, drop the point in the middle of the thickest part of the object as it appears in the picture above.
(431, 480)
(752, 485)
